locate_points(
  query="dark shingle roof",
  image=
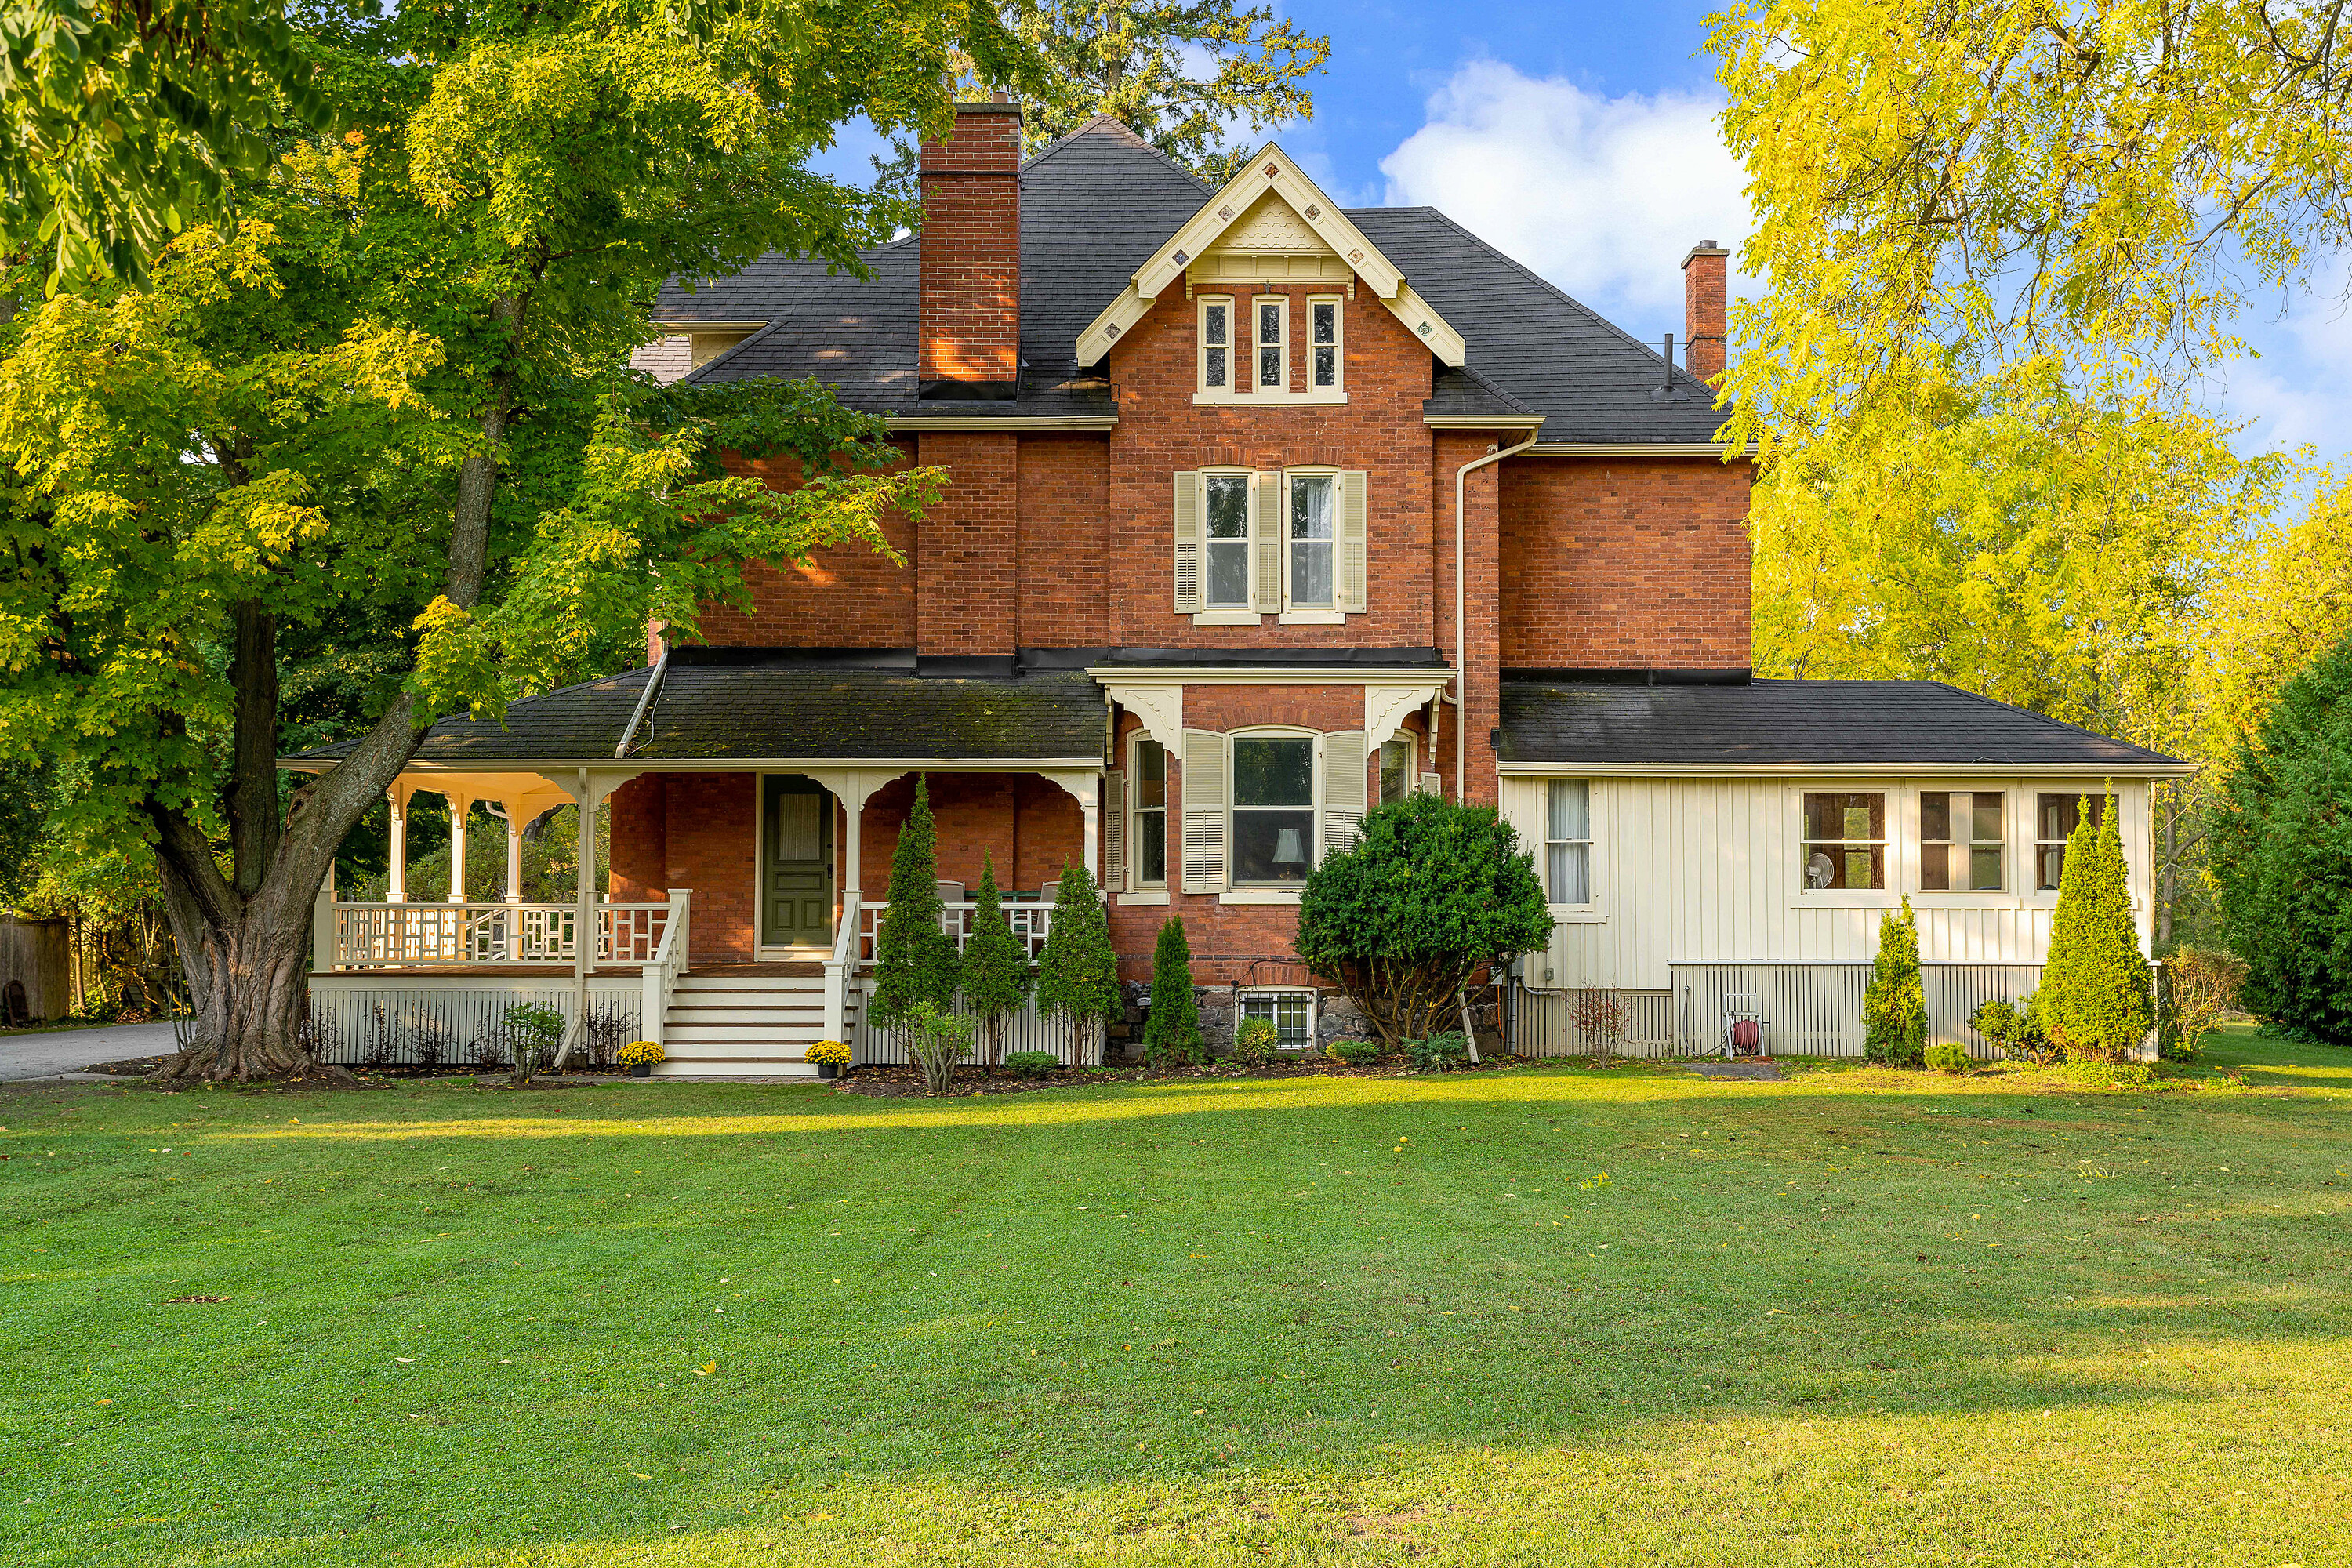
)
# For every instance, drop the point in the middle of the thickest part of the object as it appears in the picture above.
(1770, 723)
(1093, 207)
(1590, 379)
(717, 703)
(785, 710)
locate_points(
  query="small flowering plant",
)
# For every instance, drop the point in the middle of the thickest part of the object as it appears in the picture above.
(639, 1053)
(833, 1051)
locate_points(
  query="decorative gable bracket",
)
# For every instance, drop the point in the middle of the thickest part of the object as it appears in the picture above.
(1271, 171)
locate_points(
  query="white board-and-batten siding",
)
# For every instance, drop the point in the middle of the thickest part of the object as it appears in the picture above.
(1710, 870)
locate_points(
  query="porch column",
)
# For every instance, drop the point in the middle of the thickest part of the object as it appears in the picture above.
(396, 886)
(460, 808)
(514, 853)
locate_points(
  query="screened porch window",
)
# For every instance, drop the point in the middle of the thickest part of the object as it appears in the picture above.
(1845, 842)
(2055, 818)
(1568, 841)
(1960, 841)
(1274, 809)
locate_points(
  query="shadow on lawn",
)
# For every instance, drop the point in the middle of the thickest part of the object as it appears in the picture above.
(728, 1114)
(967, 1323)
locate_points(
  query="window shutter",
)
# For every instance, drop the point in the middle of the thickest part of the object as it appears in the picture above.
(1188, 541)
(1114, 831)
(1204, 811)
(1267, 537)
(1343, 788)
(1351, 541)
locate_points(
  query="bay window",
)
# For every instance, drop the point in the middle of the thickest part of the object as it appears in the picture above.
(1149, 776)
(1273, 809)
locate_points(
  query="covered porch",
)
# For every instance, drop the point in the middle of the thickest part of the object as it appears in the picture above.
(767, 872)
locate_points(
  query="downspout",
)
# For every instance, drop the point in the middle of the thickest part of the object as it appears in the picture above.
(1461, 631)
(644, 701)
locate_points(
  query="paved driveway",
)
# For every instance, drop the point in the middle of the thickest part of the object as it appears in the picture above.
(70, 1050)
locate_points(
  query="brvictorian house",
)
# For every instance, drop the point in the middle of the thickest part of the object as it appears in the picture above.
(1264, 511)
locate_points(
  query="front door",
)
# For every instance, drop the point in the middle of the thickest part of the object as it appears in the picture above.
(796, 876)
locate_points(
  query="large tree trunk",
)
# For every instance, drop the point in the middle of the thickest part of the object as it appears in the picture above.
(244, 937)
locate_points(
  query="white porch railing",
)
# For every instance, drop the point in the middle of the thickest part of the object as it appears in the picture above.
(404, 936)
(661, 970)
(841, 969)
(1033, 922)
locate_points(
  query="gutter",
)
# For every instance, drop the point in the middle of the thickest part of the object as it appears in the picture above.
(1461, 632)
(644, 701)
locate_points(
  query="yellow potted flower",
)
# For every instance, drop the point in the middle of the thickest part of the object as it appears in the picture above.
(829, 1056)
(638, 1057)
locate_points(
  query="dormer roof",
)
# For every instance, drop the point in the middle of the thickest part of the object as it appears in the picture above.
(1270, 206)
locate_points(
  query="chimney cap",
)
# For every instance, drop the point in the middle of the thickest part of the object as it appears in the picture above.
(1703, 247)
(964, 106)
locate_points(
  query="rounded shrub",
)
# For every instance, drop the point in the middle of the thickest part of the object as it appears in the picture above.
(1031, 1063)
(1945, 1057)
(1257, 1043)
(1355, 1053)
(1438, 1053)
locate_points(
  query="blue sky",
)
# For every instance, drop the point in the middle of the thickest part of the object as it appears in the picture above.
(1579, 139)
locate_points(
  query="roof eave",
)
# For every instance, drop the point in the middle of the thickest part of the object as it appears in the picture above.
(1890, 768)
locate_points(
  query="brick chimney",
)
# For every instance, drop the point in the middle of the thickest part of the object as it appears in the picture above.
(1703, 308)
(971, 280)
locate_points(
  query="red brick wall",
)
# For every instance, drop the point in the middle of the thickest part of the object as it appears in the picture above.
(711, 838)
(1026, 825)
(1065, 541)
(1309, 707)
(970, 263)
(967, 559)
(639, 870)
(1482, 585)
(1379, 430)
(849, 596)
(1630, 563)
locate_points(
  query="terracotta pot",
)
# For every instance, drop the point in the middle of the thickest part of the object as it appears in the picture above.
(641, 1069)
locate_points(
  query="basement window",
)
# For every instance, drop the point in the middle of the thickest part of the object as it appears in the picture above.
(1292, 1014)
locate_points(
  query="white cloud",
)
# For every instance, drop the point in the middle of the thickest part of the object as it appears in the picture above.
(2292, 392)
(1601, 196)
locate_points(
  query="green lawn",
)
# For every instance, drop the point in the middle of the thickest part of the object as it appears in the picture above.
(1539, 1316)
